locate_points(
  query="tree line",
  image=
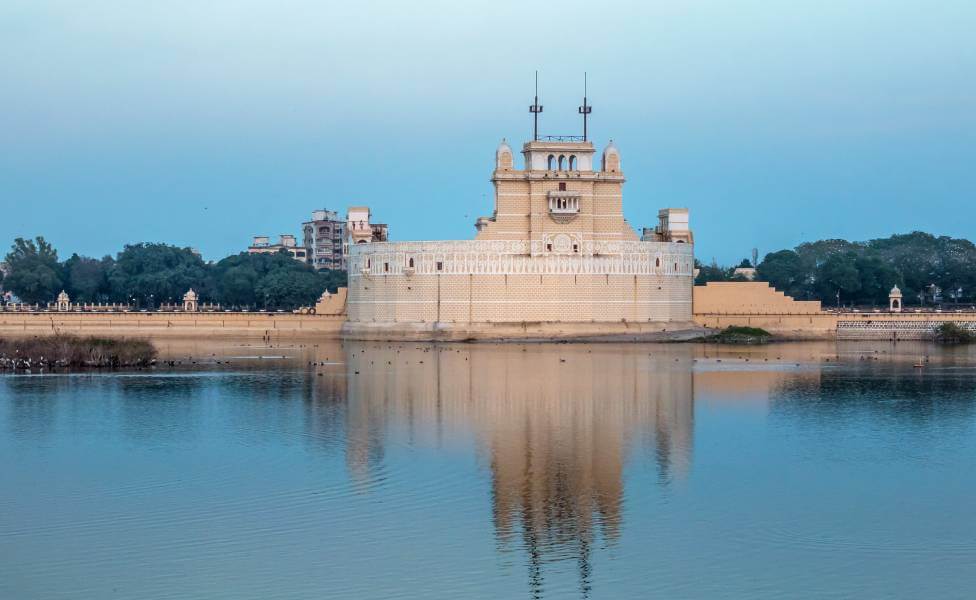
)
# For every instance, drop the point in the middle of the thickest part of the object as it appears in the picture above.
(150, 274)
(928, 269)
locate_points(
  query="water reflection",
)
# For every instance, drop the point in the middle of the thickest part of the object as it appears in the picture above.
(556, 422)
(492, 471)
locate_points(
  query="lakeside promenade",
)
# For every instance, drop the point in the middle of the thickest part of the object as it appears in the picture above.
(173, 324)
(715, 307)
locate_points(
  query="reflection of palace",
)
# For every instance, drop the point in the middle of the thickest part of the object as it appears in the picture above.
(556, 425)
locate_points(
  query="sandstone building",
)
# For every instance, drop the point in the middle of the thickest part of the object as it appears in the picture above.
(557, 252)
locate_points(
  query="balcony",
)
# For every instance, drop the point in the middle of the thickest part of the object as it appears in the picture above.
(563, 205)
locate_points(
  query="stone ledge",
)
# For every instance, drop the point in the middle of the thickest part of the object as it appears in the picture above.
(539, 331)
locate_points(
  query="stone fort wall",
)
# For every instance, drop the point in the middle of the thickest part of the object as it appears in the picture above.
(718, 305)
(500, 281)
(172, 325)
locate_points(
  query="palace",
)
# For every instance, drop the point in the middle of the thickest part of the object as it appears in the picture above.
(557, 257)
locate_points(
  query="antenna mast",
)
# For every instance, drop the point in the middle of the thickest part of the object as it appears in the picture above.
(585, 109)
(535, 109)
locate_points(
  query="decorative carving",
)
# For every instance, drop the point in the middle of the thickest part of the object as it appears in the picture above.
(500, 257)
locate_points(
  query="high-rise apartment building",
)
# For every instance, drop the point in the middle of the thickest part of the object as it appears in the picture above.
(322, 238)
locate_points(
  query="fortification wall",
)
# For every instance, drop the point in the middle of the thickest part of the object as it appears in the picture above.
(718, 305)
(899, 326)
(492, 282)
(332, 304)
(273, 325)
(749, 297)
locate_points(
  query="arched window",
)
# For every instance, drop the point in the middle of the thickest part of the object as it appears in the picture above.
(572, 162)
(562, 162)
(552, 161)
(657, 262)
(367, 263)
(410, 263)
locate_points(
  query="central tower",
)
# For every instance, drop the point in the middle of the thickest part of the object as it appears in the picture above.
(560, 203)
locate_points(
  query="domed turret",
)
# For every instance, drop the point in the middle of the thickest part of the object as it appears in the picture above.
(894, 299)
(503, 157)
(64, 302)
(190, 303)
(611, 158)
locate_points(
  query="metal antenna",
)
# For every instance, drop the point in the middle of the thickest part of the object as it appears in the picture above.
(586, 109)
(535, 109)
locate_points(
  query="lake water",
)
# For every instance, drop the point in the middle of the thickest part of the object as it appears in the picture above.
(495, 471)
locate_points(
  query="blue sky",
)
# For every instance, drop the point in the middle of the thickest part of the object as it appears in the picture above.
(204, 123)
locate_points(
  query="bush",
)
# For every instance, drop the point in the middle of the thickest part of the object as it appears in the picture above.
(951, 333)
(741, 335)
(73, 351)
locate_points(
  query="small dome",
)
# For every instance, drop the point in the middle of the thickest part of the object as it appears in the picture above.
(895, 291)
(611, 158)
(503, 156)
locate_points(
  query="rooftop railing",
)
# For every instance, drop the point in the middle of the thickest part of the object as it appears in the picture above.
(561, 138)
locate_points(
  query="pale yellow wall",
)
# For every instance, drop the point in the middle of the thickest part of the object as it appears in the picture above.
(496, 282)
(719, 305)
(752, 297)
(171, 324)
(514, 298)
(333, 304)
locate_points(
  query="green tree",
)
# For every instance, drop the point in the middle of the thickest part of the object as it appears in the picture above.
(838, 273)
(876, 279)
(35, 274)
(275, 281)
(334, 279)
(157, 273)
(86, 279)
(814, 254)
(286, 289)
(785, 271)
(236, 287)
(711, 272)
